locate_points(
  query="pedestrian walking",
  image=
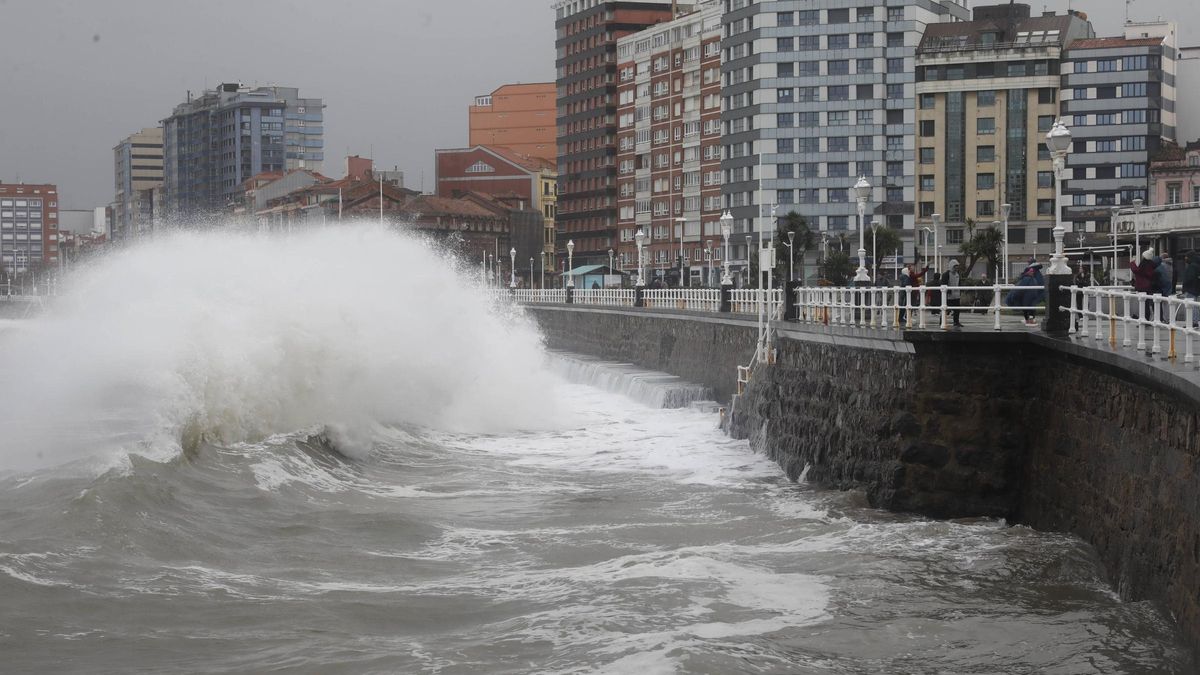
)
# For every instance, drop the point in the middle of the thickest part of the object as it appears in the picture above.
(1031, 289)
(953, 296)
(1144, 279)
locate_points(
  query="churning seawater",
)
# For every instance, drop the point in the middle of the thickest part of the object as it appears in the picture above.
(325, 453)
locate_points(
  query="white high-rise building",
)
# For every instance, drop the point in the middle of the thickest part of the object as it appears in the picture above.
(817, 94)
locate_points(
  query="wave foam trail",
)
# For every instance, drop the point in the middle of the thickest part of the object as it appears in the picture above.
(230, 337)
(655, 389)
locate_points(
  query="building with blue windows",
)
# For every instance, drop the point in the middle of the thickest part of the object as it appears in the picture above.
(213, 143)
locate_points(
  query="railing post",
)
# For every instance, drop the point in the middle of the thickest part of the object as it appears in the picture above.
(1141, 328)
(726, 298)
(1170, 329)
(1189, 318)
(1126, 342)
(1071, 327)
(945, 304)
(921, 302)
(996, 305)
(1057, 321)
(1156, 305)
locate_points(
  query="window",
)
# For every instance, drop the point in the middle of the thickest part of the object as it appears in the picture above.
(985, 208)
(985, 98)
(808, 68)
(1045, 207)
(839, 41)
(1174, 192)
(808, 145)
(808, 43)
(839, 16)
(785, 171)
(783, 95)
(895, 39)
(864, 117)
(1130, 117)
(837, 195)
(785, 69)
(1045, 235)
(1106, 92)
(785, 44)
(985, 181)
(1133, 89)
(954, 235)
(808, 94)
(927, 127)
(927, 182)
(1045, 122)
(985, 125)
(927, 156)
(1081, 66)
(864, 40)
(783, 145)
(928, 101)
(895, 65)
(784, 197)
(894, 169)
(807, 170)
(895, 14)
(864, 66)
(784, 19)
(1106, 66)
(839, 67)
(1045, 179)
(862, 143)
(839, 92)
(926, 209)
(838, 143)
(838, 118)
(1079, 93)
(1134, 63)
(895, 92)
(809, 17)
(783, 121)
(837, 169)
(985, 153)
(808, 119)
(865, 14)
(863, 92)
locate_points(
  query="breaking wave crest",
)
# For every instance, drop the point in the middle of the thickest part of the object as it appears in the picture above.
(229, 337)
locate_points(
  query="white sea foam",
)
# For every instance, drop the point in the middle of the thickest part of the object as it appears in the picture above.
(233, 337)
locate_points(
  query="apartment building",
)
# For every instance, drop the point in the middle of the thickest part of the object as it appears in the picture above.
(987, 93)
(669, 145)
(137, 167)
(28, 226)
(586, 132)
(213, 143)
(817, 94)
(519, 117)
(1118, 97)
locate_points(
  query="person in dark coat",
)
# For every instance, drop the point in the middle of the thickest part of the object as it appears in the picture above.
(902, 297)
(1191, 284)
(1083, 279)
(953, 297)
(1144, 278)
(1031, 289)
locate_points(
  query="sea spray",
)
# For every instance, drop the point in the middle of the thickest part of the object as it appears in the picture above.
(228, 337)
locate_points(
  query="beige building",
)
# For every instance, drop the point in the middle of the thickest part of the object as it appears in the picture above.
(987, 94)
(137, 167)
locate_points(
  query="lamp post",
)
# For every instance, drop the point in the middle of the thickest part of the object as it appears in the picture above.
(640, 238)
(542, 264)
(925, 243)
(862, 192)
(1005, 211)
(1112, 227)
(874, 250)
(491, 269)
(1137, 227)
(682, 226)
(512, 268)
(570, 263)
(937, 252)
(726, 230)
(531, 272)
(610, 261)
(791, 255)
(1059, 142)
(709, 277)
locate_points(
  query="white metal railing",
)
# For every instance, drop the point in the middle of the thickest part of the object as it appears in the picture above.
(696, 299)
(751, 300)
(899, 307)
(532, 296)
(1126, 319)
(612, 297)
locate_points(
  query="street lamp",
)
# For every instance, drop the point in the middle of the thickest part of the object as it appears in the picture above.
(726, 230)
(640, 238)
(862, 192)
(1137, 227)
(610, 261)
(925, 243)
(682, 226)
(531, 272)
(512, 268)
(937, 256)
(1059, 142)
(791, 255)
(1005, 211)
(570, 263)
(874, 250)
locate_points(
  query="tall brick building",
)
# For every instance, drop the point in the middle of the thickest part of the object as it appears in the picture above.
(28, 226)
(669, 144)
(519, 117)
(587, 34)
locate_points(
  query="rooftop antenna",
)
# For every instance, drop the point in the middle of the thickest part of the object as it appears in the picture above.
(1127, 4)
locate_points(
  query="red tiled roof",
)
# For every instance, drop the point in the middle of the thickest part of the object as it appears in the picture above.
(523, 161)
(430, 205)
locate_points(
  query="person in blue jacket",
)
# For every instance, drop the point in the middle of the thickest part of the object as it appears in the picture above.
(1031, 289)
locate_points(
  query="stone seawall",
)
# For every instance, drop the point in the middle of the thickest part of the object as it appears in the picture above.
(1014, 425)
(697, 347)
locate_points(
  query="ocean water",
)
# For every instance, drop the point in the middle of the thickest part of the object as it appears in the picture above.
(325, 453)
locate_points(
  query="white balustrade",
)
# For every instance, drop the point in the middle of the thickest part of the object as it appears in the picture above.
(1107, 316)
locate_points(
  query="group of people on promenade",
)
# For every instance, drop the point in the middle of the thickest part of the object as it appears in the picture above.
(1030, 291)
(1155, 275)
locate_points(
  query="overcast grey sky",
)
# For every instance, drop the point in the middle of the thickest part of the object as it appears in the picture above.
(77, 76)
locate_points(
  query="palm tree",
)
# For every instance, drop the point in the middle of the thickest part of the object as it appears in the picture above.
(802, 239)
